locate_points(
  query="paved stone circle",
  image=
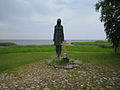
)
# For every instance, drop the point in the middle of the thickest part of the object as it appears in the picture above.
(41, 76)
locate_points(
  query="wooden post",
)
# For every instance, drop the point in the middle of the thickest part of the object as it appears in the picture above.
(65, 59)
(64, 46)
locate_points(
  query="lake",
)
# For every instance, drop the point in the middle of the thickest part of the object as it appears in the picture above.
(41, 42)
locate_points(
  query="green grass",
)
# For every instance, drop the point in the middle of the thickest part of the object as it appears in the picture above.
(103, 44)
(93, 43)
(89, 48)
(27, 48)
(14, 60)
(7, 44)
(17, 56)
(104, 58)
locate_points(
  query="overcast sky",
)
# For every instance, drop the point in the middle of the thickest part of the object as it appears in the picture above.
(35, 19)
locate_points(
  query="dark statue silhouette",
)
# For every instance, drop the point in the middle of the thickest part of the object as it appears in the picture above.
(58, 37)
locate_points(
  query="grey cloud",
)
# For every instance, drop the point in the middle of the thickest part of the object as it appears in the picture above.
(36, 18)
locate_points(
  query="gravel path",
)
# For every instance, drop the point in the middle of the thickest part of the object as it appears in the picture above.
(41, 76)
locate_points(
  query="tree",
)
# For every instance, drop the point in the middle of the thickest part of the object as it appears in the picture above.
(110, 15)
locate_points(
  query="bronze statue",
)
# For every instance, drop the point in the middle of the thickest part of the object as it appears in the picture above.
(58, 37)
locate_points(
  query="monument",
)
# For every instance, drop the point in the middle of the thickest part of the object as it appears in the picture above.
(59, 42)
(58, 37)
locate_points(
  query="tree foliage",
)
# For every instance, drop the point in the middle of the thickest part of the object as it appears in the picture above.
(110, 15)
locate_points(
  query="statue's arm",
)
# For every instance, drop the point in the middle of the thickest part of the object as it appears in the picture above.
(62, 34)
(54, 33)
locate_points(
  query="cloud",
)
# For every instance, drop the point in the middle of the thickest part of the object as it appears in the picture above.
(36, 18)
(2, 24)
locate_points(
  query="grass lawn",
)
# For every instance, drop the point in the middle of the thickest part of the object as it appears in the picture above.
(26, 48)
(14, 60)
(7, 44)
(104, 58)
(17, 56)
(93, 43)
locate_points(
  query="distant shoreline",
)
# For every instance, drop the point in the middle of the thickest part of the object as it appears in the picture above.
(41, 42)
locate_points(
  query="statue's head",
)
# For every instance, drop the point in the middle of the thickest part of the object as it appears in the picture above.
(58, 21)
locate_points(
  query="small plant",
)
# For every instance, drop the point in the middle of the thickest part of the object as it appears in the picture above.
(54, 61)
(77, 62)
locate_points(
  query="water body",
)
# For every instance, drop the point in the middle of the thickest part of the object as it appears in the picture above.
(41, 42)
